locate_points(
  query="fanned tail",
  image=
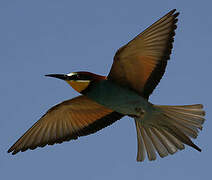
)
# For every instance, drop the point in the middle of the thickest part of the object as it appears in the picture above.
(167, 129)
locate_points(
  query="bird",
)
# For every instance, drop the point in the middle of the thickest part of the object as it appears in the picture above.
(137, 69)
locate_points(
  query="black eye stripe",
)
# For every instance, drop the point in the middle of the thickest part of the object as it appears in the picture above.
(80, 77)
(74, 77)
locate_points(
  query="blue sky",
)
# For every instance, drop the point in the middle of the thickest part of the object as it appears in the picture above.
(49, 36)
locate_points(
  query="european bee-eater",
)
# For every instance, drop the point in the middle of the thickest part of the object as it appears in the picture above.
(137, 69)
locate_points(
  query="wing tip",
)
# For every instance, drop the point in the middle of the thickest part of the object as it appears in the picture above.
(174, 11)
(12, 149)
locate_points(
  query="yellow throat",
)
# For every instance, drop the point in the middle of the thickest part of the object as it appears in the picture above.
(78, 86)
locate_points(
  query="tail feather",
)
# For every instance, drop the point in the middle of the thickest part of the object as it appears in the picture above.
(171, 148)
(190, 113)
(148, 144)
(185, 121)
(141, 147)
(188, 130)
(168, 131)
(162, 151)
(180, 135)
(172, 139)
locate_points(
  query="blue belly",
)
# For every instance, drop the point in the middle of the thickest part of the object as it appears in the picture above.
(117, 98)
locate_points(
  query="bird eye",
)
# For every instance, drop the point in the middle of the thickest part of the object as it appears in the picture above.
(75, 77)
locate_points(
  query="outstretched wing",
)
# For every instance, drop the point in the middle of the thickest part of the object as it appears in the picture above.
(141, 63)
(68, 120)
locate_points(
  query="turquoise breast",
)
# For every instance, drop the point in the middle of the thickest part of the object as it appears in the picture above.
(117, 98)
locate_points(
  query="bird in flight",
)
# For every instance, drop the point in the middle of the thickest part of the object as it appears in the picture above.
(137, 69)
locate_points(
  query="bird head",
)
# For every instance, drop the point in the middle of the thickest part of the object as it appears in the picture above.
(79, 81)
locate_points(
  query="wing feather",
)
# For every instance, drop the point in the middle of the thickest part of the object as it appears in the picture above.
(68, 120)
(141, 63)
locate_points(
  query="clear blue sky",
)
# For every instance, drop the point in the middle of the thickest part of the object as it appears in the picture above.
(51, 36)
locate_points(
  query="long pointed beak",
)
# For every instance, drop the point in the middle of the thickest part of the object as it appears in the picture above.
(59, 76)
